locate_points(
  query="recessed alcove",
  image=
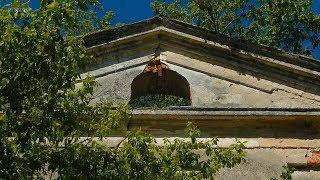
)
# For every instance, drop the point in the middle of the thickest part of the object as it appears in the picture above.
(155, 86)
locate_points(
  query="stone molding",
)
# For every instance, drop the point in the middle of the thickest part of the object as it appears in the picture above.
(264, 62)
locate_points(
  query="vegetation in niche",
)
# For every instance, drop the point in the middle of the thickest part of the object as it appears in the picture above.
(159, 101)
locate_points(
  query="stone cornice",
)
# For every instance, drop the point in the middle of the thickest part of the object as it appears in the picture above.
(97, 38)
(196, 113)
(276, 123)
(270, 63)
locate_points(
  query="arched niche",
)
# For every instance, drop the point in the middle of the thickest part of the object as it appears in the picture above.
(169, 83)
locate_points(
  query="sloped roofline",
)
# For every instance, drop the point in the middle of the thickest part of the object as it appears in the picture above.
(104, 36)
(297, 71)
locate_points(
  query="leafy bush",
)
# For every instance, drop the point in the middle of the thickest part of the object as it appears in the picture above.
(159, 101)
(138, 156)
(43, 115)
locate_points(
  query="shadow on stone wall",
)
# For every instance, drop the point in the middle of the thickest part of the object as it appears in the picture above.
(170, 83)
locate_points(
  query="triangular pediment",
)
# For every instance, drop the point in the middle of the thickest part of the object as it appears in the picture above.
(221, 72)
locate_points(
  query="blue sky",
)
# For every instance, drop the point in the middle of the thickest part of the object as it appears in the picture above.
(130, 11)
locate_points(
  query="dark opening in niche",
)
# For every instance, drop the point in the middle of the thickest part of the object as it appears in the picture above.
(153, 88)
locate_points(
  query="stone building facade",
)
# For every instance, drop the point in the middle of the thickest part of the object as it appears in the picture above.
(258, 94)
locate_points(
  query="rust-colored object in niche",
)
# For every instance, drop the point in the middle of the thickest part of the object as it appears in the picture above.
(155, 66)
(314, 159)
(158, 78)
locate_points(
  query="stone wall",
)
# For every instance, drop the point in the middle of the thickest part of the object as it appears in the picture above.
(210, 85)
(258, 94)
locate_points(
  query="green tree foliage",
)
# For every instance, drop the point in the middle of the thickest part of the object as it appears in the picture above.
(287, 24)
(44, 115)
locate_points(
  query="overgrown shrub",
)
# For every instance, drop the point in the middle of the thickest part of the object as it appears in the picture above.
(159, 101)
